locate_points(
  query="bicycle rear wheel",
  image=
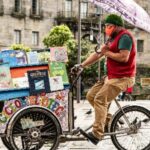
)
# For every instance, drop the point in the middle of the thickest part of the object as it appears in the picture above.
(135, 138)
(34, 129)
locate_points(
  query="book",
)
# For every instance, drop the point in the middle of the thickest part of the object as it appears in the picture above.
(21, 82)
(56, 83)
(38, 82)
(32, 57)
(21, 71)
(59, 69)
(14, 57)
(5, 76)
(58, 54)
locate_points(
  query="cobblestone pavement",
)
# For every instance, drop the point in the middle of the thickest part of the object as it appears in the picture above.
(84, 120)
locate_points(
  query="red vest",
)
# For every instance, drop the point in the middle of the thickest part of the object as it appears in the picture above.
(121, 69)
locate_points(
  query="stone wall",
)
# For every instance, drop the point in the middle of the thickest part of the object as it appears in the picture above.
(144, 57)
(8, 23)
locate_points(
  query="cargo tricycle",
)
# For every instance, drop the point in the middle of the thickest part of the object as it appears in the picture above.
(45, 120)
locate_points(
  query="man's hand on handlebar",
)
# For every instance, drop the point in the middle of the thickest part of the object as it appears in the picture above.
(76, 69)
(101, 49)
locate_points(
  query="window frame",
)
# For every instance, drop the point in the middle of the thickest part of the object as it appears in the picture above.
(35, 4)
(98, 10)
(18, 7)
(35, 39)
(84, 13)
(140, 45)
(17, 36)
(68, 8)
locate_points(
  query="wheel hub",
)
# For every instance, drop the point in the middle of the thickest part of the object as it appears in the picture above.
(34, 133)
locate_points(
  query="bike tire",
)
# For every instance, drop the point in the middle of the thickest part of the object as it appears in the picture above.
(122, 144)
(49, 132)
(6, 142)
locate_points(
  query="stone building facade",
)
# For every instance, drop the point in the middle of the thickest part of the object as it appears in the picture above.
(28, 21)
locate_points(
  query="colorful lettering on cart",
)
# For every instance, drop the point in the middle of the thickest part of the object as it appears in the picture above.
(12, 106)
(57, 102)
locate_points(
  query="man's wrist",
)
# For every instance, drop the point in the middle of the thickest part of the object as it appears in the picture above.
(82, 65)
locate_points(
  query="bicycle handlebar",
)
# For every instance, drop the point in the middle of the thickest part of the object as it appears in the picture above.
(97, 48)
(78, 74)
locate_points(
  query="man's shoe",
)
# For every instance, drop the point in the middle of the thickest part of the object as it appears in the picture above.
(106, 129)
(90, 137)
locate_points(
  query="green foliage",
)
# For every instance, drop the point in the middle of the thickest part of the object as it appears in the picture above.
(73, 54)
(62, 36)
(71, 45)
(91, 72)
(20, 47)
(58, 36)
(43, 56)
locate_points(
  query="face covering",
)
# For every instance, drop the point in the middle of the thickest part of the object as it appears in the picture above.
(109, 30)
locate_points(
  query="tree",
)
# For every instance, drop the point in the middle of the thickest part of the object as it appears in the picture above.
(58, 36)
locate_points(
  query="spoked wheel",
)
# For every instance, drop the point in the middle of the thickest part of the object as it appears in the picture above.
(6, 143)
(34, 129)
(135, 137)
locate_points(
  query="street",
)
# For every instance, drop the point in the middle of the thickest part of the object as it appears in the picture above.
(85, 119)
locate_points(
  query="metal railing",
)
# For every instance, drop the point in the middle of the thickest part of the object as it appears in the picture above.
(73, 14)
(66, 14)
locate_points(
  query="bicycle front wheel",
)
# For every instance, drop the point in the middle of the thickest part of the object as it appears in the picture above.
(34, 128)
(135, 137)
(5, 141)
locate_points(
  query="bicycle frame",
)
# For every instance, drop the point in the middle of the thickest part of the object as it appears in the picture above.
(71, 102)
(75, 132)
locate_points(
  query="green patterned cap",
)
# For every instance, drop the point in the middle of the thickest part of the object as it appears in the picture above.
(114, 19)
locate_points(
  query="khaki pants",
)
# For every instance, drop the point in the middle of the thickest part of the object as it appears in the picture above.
(101, 95)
